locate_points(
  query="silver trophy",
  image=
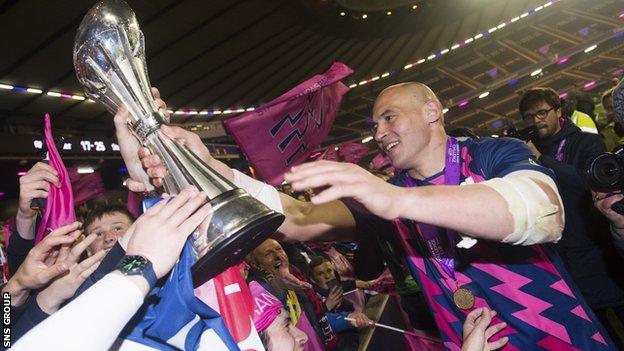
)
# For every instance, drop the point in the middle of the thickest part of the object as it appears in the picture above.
(109, 58)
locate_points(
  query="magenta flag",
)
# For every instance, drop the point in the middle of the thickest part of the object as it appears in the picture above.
(134, 203)
(283, 132)
(59, 208)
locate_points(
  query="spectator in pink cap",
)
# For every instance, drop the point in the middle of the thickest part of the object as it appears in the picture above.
(273, 322)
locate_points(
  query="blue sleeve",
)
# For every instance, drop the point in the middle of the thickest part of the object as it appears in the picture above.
(18, 249)
(338, 322)
(108, 264)
(32, 316)
(499, 157)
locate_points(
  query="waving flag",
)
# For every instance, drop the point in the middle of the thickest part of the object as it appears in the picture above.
(285, 131)
(59, 209)
(228, 294)
(174, 319)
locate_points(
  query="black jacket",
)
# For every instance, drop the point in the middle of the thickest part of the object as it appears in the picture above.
(584, 244)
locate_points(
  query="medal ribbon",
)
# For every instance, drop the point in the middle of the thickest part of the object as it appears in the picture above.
(559, 155)
(444, 256)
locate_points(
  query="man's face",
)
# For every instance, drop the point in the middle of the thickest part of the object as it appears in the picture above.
(283, 336)
(545, 118)
(399, 127)
(270, 256)
(109, 228)
(323, 273)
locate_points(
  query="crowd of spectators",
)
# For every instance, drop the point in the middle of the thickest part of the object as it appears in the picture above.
(73, 289)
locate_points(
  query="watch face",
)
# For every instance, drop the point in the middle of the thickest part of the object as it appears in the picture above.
(131, 264)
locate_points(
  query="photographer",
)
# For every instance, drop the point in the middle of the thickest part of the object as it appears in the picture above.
(563, 147)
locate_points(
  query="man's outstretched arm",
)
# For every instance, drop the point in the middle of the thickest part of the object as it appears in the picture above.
(521, 208)
(304, 221)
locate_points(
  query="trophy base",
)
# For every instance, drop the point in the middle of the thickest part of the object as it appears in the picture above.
(233, 249)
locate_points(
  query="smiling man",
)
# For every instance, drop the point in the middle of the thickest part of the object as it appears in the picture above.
(506, 201)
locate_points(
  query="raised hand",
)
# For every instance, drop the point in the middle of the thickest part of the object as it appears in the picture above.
(61, 289)
(283, 279)
(359, 320)
(603, 203)
(34, 184)
(129, 145)
(477, 331)
(159, 234)
(334, 297)
(41, 264)
(154, 166)
(346, 180)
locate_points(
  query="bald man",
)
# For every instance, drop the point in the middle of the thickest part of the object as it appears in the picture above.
(470, 215)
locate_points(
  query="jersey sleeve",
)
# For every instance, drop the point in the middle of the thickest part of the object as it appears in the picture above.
(500, 157)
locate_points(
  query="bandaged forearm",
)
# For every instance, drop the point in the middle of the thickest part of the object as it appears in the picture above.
(267, 194)
(535, 218)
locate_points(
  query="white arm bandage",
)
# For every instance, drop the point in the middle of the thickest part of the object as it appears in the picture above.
(535, 217)
(267, 194)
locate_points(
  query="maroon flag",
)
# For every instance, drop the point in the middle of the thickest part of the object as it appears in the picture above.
(284, 132)
(353, 152)
(86, 187)
(347, 152)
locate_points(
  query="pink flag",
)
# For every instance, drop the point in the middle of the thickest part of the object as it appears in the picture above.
(134, 203)
(424, 342)
(285, 131)
(59, 208)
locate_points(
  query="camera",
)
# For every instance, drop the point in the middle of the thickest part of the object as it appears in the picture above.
(606, 172)
(606, 175)
(524, 134)
(333, 284)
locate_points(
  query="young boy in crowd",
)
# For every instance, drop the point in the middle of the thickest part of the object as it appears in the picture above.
(330, 289)
(109, 222)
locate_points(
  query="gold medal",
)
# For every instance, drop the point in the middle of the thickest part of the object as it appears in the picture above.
(463, 298)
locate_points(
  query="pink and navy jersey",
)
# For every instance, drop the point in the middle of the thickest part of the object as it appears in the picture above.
(527, 285)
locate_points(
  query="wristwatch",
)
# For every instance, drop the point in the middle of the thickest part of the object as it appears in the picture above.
(138, 265)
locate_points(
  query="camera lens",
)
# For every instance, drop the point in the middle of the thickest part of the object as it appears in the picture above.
(605, 172)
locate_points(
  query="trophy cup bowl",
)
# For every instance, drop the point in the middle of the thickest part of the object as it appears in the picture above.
(109, 59)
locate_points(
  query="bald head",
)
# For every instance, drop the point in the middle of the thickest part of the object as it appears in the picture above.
(417, 91)
(408, 121)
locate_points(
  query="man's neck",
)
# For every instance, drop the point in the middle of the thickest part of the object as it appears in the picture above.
(430, 160)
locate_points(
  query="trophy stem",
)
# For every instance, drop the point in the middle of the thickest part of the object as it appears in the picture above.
(185, 168)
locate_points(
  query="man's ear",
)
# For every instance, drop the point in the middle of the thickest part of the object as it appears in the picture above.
(432, 111)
